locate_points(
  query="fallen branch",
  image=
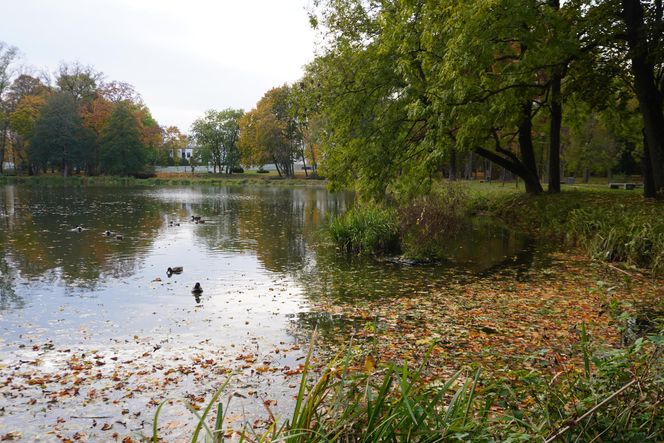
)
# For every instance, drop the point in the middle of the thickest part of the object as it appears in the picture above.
(561, 432)
(616, 268)
(91, 417)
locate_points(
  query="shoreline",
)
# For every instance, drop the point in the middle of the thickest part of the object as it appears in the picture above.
(163, 180)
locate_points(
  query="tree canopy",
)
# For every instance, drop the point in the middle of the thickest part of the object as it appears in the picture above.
(123, 151)
(402, 87)
(59, 137)
(216, 135)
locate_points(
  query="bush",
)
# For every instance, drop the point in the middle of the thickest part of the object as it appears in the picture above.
(262, 171)
(144, 174)
(608, 227)
(426, 220)
(366, 230)
(237, 170)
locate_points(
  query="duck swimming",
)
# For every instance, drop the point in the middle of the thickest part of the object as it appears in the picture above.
(119, 237)
(174, 270)
(108, 233)
(197, 289)
(78, 228)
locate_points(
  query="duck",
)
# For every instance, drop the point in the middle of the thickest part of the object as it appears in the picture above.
(174, 270)
(108, 233)
(197, 289)
(119, 237)
(78, 228)
(195, 218)
(198, 222)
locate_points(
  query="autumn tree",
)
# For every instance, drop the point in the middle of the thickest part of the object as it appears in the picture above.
(152, 135)
(174, 141)
(123, 151)
(60, 139)
(216, 135)
(269, 134)
(95, 116)
(592, 147)
(8, 56)
(23, 100)
(116, 91)
(22, 121)
(78, 80)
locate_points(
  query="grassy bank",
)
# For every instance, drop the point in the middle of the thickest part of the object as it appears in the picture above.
(617, 396)
(169, 180)
(608, 225)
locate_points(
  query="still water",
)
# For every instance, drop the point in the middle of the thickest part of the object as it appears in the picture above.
(260, 257)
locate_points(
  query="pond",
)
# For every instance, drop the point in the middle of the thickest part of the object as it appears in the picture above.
(94, 332)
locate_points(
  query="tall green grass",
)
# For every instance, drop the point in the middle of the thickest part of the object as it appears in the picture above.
(611, 227)
(617, 396)
(366, 229)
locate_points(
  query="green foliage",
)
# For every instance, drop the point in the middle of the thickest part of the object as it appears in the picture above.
(401, 85)
(613, 227)
(592, 146)
(633, 237)
(59, 137)
(366, 229)
(122, 149)
(217, 135)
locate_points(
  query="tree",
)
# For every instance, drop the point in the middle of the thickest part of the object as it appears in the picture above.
(8, 56)
(174, 141)
(269, 133)
(80, 81)
(22, 122)
(23, 100)
(95, 116)
(592, 147)
(123, 151)
(116, 92)
(216, 134)
(151, 133)
(60, 138)
(644, 24)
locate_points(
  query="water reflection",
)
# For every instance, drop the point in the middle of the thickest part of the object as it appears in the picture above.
(259, 256)
(280, 227)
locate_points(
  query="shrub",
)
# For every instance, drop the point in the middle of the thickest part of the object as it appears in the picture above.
(366, 230)
(237, 170)
(426, 220)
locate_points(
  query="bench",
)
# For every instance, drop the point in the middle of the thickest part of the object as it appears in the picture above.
(628, 186)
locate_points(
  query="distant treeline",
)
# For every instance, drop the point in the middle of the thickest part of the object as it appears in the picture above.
(77, 122)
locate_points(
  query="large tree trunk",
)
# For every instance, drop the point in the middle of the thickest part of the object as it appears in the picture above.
(554, 136)
(276, 165)
(649, 190)
(649, 96)
(527, 151)
(453, 165)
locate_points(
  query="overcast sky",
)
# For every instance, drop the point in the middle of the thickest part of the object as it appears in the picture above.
(182, 56)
